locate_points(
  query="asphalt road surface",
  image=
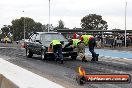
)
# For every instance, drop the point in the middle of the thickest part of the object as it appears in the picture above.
(65, 74)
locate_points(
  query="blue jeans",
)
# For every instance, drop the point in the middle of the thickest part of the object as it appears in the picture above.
(57, 49)
(91, 49)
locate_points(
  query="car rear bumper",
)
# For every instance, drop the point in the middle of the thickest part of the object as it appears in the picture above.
(65, 54)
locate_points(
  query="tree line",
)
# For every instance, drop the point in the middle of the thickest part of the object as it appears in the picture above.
(16, 30)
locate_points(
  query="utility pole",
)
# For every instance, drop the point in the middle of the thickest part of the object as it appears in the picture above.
(24, 26)
(125, 22)
(49, 18)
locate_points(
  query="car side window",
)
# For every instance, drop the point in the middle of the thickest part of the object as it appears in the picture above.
(37, 40)
(42, 38)
(37, 37)
(33, 38)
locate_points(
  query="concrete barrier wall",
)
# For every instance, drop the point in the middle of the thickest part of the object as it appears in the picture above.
(0, 80)
(6, 83)
(13, 76)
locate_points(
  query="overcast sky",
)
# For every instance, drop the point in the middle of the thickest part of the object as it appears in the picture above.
(69, 11)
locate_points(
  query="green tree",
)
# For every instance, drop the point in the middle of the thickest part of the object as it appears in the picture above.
(93, 22)
(5, 30)
(38, 27)
(29, 24)
(45, 28)
(60, 25)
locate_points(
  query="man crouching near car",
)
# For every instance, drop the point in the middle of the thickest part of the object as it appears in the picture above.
(57, 50)
(79, 46)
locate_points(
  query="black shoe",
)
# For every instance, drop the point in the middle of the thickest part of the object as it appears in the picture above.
(93, 59)
(97, 57)
(61, 61)
(84, 59)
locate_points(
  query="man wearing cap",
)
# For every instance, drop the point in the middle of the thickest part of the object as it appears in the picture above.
(57, 47)
(91, 42)
(79, 46)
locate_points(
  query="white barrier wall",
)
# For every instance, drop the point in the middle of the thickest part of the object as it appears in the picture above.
(13, 76)
(6, 83)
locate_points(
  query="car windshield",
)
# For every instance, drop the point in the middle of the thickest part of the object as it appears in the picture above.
(50, 37)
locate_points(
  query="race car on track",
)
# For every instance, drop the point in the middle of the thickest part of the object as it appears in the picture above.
(38, 44)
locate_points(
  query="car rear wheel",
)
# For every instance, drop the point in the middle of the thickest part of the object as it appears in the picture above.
(29, 53)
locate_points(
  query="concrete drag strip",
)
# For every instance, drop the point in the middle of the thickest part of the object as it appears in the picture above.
(23, 78)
